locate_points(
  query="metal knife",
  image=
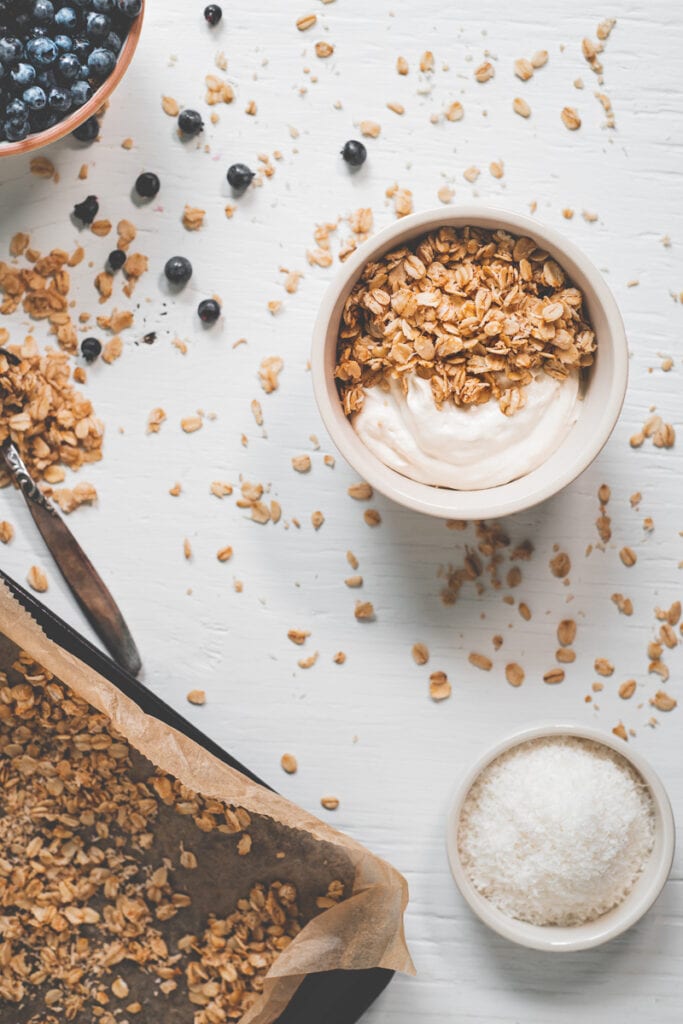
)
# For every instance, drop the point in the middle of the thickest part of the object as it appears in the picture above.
(85, 583)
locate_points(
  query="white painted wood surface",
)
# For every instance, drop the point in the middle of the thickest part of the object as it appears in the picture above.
(367, 731)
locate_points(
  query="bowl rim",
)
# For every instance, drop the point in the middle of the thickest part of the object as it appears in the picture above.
(622, 917)
(438, 501)
(78, 117)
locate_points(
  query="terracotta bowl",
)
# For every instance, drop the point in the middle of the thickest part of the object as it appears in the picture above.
(99, 97)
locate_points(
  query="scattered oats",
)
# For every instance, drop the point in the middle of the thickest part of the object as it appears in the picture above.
(197, 697)
(191, 423)
(446, 194)
(6, 532)
(372, 517)
(667, 364)
(539, 59)
(454, 111)
(565, 655)
(427, 62)
(308, 662)
(560, 565)
(496, 168)
(524, 611)
(484, 72)
(624, 604)
(521, 107)
(269, 373)
(628, 556)
(69, 499)
(193, 218)
(43, 168)
(187, 549)
(175, 490)
(329, 460)
(603, 667)
(324, 49)
(354, 581)
(291, 282)
(570, 118)
(604, 493)
(566, 632)
(224, 554)
(218, 90)
(330, 803)
(524, 69)
(120, 989)
(420, 654)
(637, 440)
(230, 210)
(471, 174)
(556, 675)
(402, 66)
(37, 579)
(352, 560)
(370, 129)
(589, 217)
(663, 701)
(480, 661)
(396, 108)
(317, 519)
(439, 687)
(620, 731)
(220, 488)
(170, 106)
(251, 108)
(155, 419)
(289, 764)
(298, 636)
(605, 27)
(339, 658)
(364, 611)
(301, 463)
(101, 228)
(360, 491)
(514, 674)
(567, 213)
(306, 21)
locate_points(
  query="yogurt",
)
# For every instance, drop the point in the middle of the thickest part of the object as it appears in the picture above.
(470, 447)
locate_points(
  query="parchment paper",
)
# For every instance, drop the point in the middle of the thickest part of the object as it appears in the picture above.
(364, 931)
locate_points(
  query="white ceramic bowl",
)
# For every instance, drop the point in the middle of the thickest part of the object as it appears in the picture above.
(600, 408)
(551, 938)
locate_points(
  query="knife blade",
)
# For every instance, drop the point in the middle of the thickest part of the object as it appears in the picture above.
(85, 583)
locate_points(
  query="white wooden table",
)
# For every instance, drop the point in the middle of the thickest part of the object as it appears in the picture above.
(367, 731)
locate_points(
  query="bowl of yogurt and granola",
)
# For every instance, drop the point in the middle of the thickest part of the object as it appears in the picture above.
(469, 362)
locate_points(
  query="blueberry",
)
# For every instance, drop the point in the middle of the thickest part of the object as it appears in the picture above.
(113, 42)
(81, 48)
(147, 185)
(23, 75)
(97, 25)
(87, 210)
(34, 97)
(104, 6)
(101, 62)
(178, 270)
(69, 67)
(43, 11)
(11, 49)
(131, 8)
(80, 94)
(240, 177)
(67, 18)
(90, 349)
(354, 153)
(116, 259)
(16, 131)
(190, 123)
(209, 311)
(88, 131)
(59, 98)
(64, 43)
(213, 14)
(16, 110)
(42, 51)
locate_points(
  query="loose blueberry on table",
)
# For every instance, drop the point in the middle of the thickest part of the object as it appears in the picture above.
(54, 54)
(240, 177)
(209, 311)
(90, 349)
(213, 14)
(178, 270)
(354, 153)
(147, 185)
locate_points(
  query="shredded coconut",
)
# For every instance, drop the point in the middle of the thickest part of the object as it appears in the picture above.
(556, 831)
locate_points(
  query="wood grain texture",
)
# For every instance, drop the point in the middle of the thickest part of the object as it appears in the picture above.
(367, 731)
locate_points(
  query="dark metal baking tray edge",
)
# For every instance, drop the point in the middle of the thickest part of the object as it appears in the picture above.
(331, 997)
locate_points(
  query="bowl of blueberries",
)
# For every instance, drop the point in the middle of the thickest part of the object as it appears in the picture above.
(60, 61)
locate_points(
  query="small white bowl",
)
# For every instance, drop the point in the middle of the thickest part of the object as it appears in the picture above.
(600, 408)
(552, 938)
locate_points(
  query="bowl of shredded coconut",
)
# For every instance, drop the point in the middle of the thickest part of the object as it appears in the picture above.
(559, 839)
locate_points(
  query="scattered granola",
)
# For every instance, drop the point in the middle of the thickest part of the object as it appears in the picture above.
(289, 764)
(420, 654)
(439, 686)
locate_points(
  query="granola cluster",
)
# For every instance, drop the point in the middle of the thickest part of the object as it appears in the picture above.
(51, 424)
(84, 896)
(473, 311)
